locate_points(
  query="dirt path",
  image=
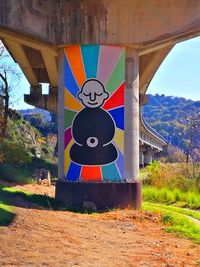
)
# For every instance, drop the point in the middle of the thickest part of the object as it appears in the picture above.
(118, 238)
(196, 221)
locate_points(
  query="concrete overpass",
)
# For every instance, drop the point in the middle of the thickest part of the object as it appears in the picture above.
(35, 33)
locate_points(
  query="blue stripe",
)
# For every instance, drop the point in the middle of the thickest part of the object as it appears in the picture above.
(69, 80)
(90, 55)
(110, 173)
(120, 162)
(73, 173)
(118, 116)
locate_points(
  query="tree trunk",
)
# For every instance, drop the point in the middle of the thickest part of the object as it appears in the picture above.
(5, 97)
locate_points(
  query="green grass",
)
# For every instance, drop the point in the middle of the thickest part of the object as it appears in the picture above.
(175, 197)
(6, 212)
(44, 201)
(175, 222)
(191, 213)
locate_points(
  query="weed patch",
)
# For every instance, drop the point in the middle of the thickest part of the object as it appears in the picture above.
(175, 222)
(171, 176)
(175, 196)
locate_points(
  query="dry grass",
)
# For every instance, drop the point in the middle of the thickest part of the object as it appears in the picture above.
(185, 177)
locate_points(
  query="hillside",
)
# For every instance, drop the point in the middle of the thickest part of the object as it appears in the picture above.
(168, 116)
(23, 150)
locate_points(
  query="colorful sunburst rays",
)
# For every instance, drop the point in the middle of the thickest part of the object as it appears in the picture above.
(107, 64)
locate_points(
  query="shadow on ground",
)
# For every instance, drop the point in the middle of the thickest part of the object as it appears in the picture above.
(6, 217)
(12, 197)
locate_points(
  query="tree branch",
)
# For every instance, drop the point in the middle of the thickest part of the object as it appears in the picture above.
(3, 78)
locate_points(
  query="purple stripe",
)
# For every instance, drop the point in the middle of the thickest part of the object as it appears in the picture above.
(67, 136)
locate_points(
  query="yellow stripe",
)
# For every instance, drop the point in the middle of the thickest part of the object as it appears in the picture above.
(70, 102)
(119, 139)
(67, 159)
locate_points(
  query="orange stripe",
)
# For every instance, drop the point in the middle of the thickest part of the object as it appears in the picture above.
(70, 102)
(91, 174)
(74, 57)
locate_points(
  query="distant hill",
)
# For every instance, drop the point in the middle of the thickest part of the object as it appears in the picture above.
(167, 115)
(42, 120)
(45, 114)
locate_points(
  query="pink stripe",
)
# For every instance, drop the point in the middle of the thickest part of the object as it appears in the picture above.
(67, 136)
(108, 57)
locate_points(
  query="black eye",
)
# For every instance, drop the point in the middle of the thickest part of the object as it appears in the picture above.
(99, 94)
(86, 94)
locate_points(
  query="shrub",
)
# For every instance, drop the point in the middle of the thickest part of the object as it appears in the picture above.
(153, 174)
(10, 173)
(15, 152)
(171, 176)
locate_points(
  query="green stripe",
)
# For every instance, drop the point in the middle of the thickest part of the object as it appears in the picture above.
(118, 74)
(69, 115)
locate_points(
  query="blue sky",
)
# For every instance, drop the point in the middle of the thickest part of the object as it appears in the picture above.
(178, 75)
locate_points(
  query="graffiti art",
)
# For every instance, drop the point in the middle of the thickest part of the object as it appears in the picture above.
(94, 113)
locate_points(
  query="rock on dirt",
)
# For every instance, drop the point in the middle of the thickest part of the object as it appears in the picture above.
(42, 177)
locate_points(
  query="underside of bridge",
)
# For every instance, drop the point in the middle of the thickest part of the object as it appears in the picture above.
(35, 32)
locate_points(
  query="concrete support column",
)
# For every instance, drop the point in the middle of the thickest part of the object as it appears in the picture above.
(60, 110)
(131, 144)
(106, 194)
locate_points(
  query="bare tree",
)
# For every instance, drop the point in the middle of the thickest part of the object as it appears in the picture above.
(9, 77)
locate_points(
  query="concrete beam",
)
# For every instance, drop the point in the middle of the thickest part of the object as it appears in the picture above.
(11, 35)
(18, 53)
(51, 67)
(46, 102)
(34, 56)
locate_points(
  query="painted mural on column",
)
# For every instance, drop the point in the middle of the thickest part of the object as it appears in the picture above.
(94, 80)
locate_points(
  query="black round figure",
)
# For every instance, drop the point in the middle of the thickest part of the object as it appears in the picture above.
(93, 128)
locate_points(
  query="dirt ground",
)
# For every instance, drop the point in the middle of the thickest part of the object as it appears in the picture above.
(118, 238)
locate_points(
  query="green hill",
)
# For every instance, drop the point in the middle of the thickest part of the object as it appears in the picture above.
(168, 116)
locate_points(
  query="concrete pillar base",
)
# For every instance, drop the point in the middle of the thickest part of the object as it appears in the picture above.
(100, 196)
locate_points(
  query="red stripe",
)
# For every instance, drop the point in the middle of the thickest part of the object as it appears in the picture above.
(91, 174)
(117, 99)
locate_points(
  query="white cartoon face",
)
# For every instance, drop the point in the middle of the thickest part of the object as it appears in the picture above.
(93, 94)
